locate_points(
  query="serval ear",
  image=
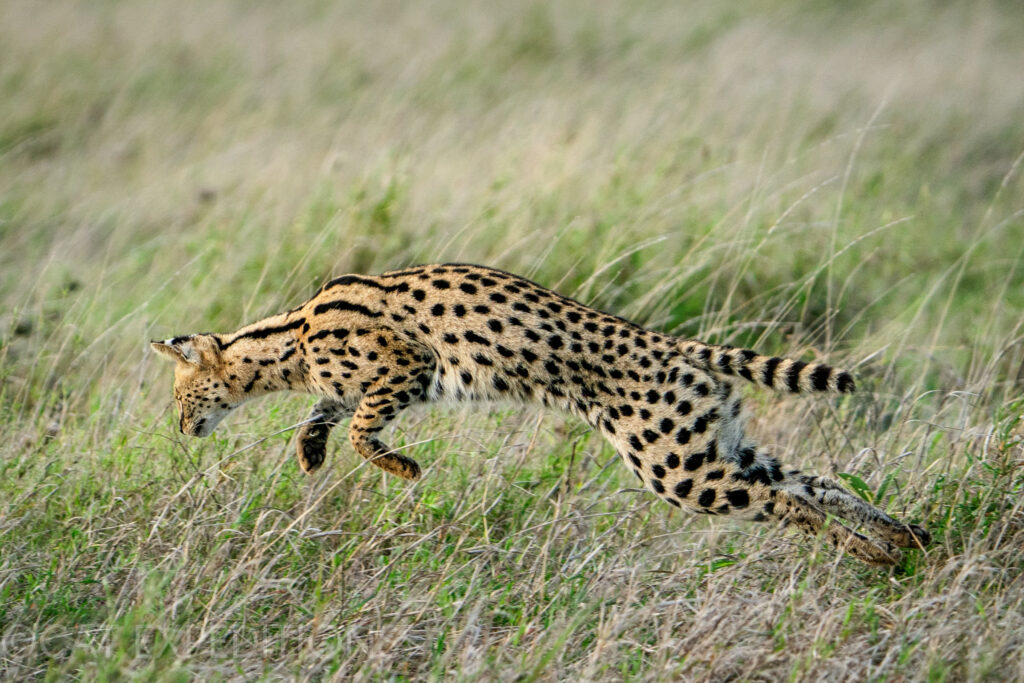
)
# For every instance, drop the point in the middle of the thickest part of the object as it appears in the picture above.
(195, 349)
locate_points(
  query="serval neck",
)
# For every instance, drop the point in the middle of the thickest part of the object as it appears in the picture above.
(265, 356)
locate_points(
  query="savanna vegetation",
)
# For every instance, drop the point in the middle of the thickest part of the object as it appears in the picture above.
(836, 181)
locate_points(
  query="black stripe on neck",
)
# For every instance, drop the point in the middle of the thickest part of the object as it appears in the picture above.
(366, 282)
(345, 306)
(264, 332)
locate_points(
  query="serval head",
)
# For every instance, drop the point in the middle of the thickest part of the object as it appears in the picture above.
(201, 388)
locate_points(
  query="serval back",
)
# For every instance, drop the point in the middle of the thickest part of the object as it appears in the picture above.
(369, 346)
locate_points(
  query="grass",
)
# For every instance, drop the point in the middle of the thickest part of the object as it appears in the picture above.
(808, 178)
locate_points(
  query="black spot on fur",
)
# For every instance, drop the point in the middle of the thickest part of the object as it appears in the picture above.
(793, 375)
(746, 458)
(845, 383)
(819, 378)
(768, 375)
(724, 364)
(738, 498)
(475, 338)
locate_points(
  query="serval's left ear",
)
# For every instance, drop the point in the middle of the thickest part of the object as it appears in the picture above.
(196, 349)
(169, 349)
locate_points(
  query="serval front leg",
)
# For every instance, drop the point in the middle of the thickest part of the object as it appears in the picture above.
(402, 378)
(379, 406)
(311, 441)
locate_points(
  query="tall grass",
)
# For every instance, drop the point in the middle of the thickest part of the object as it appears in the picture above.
(806, 178)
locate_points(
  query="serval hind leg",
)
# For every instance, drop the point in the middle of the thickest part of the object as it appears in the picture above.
(831, 497)
(794, 508)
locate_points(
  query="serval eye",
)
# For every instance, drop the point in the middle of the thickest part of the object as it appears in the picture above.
(370, 346)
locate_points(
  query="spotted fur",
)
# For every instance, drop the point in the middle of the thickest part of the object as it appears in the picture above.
(369, 347)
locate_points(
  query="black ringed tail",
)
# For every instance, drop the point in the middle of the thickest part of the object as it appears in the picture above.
(772, 372)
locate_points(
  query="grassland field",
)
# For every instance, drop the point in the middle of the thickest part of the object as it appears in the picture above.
(825, 180)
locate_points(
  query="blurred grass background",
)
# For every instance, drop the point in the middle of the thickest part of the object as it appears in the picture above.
(813, 178)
